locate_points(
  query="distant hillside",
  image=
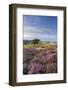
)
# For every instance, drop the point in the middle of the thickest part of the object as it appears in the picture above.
(26, 41)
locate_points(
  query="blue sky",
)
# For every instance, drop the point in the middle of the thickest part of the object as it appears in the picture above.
(40, 27)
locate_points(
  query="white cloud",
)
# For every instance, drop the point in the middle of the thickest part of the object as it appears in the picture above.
(40, 33)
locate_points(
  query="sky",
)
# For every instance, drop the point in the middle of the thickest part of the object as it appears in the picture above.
(40, 27)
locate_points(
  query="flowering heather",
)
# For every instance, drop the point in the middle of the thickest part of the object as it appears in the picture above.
(40, 60)
(35, 68)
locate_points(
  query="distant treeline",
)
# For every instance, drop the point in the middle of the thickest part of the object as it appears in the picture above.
(26, 41)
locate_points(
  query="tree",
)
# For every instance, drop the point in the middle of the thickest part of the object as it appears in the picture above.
(35, 41)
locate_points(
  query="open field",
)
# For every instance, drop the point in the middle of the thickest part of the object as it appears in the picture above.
(40, 58)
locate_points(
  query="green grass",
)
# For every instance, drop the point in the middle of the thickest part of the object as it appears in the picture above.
(38, 45)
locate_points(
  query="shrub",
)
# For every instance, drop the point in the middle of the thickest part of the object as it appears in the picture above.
(35, 41)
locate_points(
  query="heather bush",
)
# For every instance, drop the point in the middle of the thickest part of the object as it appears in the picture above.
(51, 68)
(40, 60)
(35, 68)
